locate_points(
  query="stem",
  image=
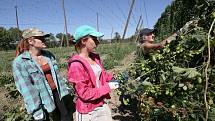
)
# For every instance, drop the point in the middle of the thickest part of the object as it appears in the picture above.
(206, 74)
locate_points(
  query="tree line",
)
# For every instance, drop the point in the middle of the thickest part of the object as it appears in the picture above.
(179, 12)
(9, 38)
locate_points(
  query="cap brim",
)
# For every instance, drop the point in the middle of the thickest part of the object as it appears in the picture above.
(47, 35)
(97, 34)
(151, 31)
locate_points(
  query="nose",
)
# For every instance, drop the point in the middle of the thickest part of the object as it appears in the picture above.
(153, 35)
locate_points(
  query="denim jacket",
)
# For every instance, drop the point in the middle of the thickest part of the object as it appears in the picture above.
(32, 84)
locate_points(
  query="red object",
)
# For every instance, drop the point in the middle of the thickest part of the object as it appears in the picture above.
(47, 71)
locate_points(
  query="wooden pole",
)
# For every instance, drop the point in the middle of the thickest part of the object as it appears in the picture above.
(17, 19)
(138, 31)
(129, 15)
(97, 21)
(111, 36)
(137, 27)
(65, 23)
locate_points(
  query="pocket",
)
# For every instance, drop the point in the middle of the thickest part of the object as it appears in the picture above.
(35, 75)
(33, 70)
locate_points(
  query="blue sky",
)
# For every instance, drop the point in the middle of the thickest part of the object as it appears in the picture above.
(48, 14)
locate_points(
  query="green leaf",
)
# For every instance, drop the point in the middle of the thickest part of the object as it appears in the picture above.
(213, 14)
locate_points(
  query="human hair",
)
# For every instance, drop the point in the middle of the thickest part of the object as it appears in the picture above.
(79, 44)
(22, 46)
(141, 39)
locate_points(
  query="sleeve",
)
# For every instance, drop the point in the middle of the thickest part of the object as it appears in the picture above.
(27, 90)
(76, 75)
(109, 76)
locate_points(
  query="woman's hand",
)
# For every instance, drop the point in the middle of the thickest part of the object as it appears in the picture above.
(39, 117)
(113, 84)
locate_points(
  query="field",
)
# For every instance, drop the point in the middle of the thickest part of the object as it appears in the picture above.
(11, 106)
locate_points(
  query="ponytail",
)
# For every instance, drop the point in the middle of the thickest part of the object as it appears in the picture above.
(22, 46)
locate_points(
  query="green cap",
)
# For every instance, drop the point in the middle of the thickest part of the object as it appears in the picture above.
(85, 30)
(33, 32)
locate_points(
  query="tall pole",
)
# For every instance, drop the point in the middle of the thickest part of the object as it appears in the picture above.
(129, 15)
(65, 23)
(138, 24)
(97, 21)
(111, 36)
(141, 24)
(17, 19)
(138, 31)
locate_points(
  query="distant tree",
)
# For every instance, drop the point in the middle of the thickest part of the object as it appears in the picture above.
(8, 38)
(51, 41)
(117, 37)
(14, 34)
(62, 38)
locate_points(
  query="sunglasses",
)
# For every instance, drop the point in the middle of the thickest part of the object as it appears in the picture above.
(40, 38)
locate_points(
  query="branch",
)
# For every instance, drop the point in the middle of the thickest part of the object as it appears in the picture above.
(206, 74)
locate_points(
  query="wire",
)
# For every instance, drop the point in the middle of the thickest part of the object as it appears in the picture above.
(118, 18)
(117, 5)
(146, 13)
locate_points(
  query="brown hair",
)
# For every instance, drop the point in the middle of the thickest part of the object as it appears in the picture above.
(79, 45)
(22, 46)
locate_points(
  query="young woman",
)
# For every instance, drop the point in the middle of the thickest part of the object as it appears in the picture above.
(89, 78)
(37, 78)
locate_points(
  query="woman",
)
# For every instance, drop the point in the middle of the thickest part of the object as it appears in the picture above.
(89, 78)
(37, 78)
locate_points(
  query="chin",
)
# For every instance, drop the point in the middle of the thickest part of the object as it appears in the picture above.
(44, 47)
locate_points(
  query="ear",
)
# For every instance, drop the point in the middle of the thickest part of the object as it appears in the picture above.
(84, 40)
(30, 41)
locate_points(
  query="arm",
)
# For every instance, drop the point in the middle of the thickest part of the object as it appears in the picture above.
(77, 76)
(152, 46)
(27, 90)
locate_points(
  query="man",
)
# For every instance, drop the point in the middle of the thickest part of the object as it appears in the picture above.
(146, 39)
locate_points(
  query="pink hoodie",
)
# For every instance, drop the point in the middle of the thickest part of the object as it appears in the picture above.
(89, 96)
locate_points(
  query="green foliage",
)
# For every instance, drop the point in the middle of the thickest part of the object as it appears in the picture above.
(169, 83)
(182, 11)
(114, 53)
(17, 114)
(8, 38)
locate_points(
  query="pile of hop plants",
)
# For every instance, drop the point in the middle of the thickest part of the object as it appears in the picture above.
(170, 83)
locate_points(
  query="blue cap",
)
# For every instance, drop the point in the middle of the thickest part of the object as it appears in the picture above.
(145, 31)
(85, 30)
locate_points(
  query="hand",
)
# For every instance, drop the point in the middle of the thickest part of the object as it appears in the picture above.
(168, 41)
(113, 84)
(39, 117)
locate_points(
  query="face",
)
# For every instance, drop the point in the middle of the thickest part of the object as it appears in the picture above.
(90, 43)
(149, 37)
(37, 42)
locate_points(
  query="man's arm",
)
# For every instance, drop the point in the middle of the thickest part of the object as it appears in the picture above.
(152, 46)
